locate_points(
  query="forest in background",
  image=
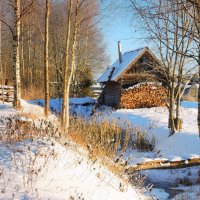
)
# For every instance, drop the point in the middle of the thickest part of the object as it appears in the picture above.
(90, 49)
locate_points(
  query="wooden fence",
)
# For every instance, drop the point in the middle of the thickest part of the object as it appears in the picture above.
(6, 93)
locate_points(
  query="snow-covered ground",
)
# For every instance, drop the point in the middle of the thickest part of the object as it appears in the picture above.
(6, 110)
(80, 106)
(44, 169)
(181, 146)
(175, 183)
(173, 177)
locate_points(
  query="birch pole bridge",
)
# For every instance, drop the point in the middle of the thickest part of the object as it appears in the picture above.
(165, 164)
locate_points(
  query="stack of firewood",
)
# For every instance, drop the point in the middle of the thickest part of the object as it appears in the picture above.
(144, 96)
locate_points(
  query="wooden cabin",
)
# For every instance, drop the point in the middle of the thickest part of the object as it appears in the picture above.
(129, 69)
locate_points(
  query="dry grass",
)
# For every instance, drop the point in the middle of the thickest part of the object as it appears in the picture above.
(108, 138)
(107, 142)
(30, 93)
(31, 116)
(18, 129)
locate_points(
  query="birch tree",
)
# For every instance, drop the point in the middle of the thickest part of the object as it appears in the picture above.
(15, 30)
(195, 14)
(65, 105)
(46, 57)
(69, 71)
(1, 66)
(167, 26)
(16, 55)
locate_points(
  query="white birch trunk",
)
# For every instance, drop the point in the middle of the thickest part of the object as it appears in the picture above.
(65, 113)
(46, 59)
(72, 64)
(16, 56)
(1, 66)
(66, 94)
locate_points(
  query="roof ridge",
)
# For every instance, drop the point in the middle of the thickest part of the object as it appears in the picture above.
(136, 50)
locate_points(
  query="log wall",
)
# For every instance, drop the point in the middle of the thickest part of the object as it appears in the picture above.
(112, 94)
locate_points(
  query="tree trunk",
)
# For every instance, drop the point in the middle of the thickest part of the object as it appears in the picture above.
(22, 57)
(1, 66)
(171, 112)
(196, 5)
(178, 120)
(46, 59)
(29, 70)
(64, 117)
(198, 24)
(72, 63)
(178, 106)
(16, 56)
(198, 118)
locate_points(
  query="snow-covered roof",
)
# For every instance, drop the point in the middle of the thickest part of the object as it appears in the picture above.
(191, 86)
(127, 59)
(196, 85)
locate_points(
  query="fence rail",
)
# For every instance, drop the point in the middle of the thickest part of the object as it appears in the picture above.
(6, 93)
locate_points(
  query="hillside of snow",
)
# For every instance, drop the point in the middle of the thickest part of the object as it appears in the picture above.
(45, 169)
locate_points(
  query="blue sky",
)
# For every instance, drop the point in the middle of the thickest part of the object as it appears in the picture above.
(117, 24)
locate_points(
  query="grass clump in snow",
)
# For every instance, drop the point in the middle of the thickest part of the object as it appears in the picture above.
(18, 128)
(102, 138)
(143, 142)
(108, 137)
